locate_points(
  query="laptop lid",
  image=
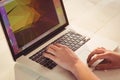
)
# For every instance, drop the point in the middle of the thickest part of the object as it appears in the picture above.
(29, 23)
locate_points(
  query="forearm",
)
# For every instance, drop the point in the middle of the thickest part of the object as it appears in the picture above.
(82, 72)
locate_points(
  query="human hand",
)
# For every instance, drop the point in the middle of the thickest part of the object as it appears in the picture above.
(67, 59)
(111, 59)
(62, 55)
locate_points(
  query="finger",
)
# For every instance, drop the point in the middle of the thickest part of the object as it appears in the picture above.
(52, 57)
(53, 47)
(98, 57)
(63, 46)
(96, 51)
(51, 51)
(104, 66)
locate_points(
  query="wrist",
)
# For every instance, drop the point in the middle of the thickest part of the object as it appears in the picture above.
(80, 70)
(75, 66)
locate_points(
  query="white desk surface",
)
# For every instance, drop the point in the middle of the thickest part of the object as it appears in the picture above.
(101, 17)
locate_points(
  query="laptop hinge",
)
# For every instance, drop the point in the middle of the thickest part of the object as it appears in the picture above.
(42, 41)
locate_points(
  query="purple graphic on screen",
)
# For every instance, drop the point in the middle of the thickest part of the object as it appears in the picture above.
(9, 30)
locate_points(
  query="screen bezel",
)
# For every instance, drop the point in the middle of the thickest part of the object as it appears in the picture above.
(37, 44)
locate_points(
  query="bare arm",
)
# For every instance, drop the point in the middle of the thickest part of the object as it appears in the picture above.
(82, 72)
(67, 59)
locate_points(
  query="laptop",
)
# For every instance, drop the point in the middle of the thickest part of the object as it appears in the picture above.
(31, 25)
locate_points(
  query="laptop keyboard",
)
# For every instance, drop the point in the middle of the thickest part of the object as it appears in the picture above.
(71, 39)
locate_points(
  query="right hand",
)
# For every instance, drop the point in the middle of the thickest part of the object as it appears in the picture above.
(111, 59)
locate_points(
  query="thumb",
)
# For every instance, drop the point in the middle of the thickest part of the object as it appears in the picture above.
(104, 66)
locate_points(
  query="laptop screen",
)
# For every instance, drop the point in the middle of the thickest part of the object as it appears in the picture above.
(28, 21)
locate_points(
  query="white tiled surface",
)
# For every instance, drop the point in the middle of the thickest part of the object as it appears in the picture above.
(98, 16)
(112, 29)
(101, 17)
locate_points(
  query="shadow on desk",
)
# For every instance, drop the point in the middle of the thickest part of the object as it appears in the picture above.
(23, 73)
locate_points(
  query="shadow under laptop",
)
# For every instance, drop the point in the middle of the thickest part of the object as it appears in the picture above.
(23, 73)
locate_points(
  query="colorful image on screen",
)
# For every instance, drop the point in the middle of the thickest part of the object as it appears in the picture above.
(28, 21)
(31, 18)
